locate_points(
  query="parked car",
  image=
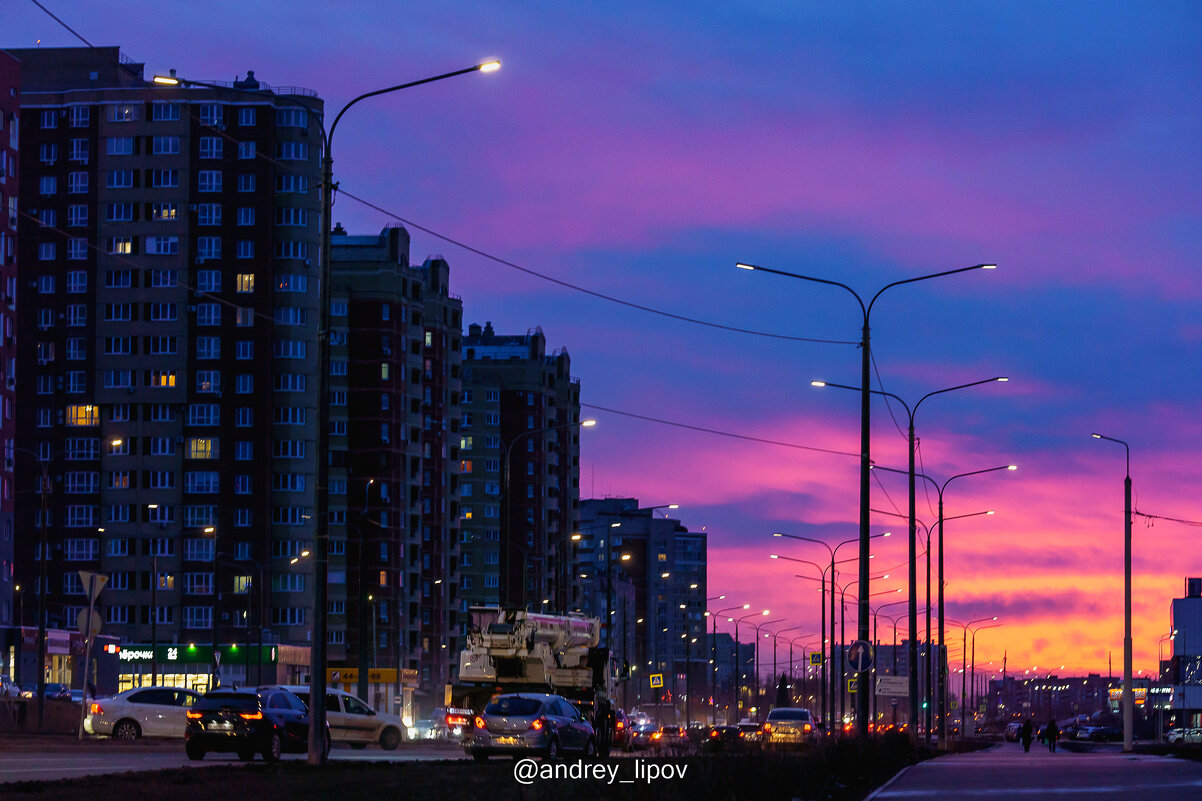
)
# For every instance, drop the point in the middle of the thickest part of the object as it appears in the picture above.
(8, 689)
(1012, 731)
(351, 720)
(640, 737)
(529, 723)
(270, 722)
(54, 691)
(141, 712)
(722, 738)
(788, 726)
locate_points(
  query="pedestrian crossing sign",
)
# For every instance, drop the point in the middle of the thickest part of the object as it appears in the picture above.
(816, 659)
(657, 680)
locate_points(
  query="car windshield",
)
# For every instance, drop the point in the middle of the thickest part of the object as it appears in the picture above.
(789, 714)
(513, 706)
(240, 702)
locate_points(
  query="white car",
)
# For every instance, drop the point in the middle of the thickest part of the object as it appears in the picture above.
(141, 712)
(354, 722)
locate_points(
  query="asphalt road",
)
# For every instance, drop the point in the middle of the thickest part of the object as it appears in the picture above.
(1005, 773)
(62, 758)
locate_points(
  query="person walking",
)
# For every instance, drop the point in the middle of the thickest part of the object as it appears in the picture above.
(1052, 732)
(1026, 734)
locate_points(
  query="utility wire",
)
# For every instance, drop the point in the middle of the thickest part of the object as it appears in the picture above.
(1152, 518)
(715, 431)
(577, 288)
(73, 32)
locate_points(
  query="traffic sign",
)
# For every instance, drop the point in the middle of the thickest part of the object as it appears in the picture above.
(82, 621)
(859, 656)
(893, 685)
(93, 583)
(851, 685)
(816, 659)
(657, 680)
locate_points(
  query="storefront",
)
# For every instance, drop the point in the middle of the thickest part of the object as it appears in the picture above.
(64, 659)
(388, 690)
(193, 666)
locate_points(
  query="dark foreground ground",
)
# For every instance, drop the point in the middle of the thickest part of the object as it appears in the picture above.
(839, 771)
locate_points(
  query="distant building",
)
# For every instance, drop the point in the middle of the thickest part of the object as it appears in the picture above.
(167, 310)
(394, 452)
(666, 564)
(1185, 669)
(520, 454)
(10, 85)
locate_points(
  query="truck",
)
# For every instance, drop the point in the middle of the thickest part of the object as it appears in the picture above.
(516, 650)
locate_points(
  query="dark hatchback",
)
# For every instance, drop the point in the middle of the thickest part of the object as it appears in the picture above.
(248, 722)
(722, 738)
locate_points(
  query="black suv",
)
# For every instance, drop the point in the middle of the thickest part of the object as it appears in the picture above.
(248, 722)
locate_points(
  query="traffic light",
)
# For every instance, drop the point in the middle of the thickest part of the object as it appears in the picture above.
(925, 704)
(624, 674)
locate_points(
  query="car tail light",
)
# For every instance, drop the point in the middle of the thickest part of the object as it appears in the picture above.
(456, 720)
(538, 724)
(808, 728)
(479, 722)
(657, 736)
(767, 728)
(620, 725)
(95, 709)
(191, 715)
(740, 735)
(250, 715)
(713, 734)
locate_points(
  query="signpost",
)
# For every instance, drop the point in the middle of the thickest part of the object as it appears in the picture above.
(893, 685)
(816, 659)
(657, 680)
(859, 656)
(89, 626)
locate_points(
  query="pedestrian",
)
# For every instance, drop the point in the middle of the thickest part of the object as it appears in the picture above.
(1026, 734)
(1052, 732)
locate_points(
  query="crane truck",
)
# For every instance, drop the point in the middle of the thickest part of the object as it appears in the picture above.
(515, 650)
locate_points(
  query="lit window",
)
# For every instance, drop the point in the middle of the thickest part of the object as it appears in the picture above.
(199, 448)
(246, 282)
(78, 415)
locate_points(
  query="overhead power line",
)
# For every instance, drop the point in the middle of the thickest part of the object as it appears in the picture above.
(705, 430)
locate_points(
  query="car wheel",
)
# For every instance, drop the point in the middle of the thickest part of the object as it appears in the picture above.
(390, 739)
(552, 752)
(479, 756)
(126, 730)
(246, 756)
(194, 752)
(274, 748)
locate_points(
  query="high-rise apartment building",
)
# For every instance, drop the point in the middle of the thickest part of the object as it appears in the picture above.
(10, 80)
(167, 318)
(520, 483)
(621, 542)
(394, 506)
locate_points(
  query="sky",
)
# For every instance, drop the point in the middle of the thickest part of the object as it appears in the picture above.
(638, 150)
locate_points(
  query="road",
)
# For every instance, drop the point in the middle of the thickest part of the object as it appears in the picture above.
(1005, 773)
(62, 758)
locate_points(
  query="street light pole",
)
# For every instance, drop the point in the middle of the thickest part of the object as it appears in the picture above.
(865, 439)
(774, 635)
(864, 390)
(317, 660)
(863, 562)
(738, 665)
(714, 659)
(1128, 690)
(756, 654)
(43, 558)
(941, 662)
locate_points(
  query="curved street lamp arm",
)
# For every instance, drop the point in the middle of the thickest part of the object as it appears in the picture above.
(995, 379)
(397, 88)
(976, 473)
(881, 291)
(863, 309)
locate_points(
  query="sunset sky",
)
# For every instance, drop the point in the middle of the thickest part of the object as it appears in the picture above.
(638, 150)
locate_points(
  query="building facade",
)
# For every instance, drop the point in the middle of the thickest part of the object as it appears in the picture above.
(665, 564)
(167, 316)
(10, 83)
(394, 496)
(520, 482)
